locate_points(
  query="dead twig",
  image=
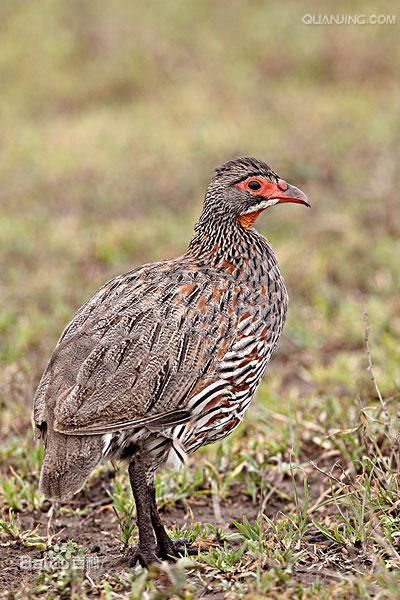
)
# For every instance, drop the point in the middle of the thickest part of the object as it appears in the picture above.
(371, 373)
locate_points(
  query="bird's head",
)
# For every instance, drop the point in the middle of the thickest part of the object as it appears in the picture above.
(245, 187)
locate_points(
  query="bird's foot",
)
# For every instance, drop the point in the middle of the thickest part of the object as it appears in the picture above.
(173, 549)
(170, 550)
(144, 555)
(182, 546)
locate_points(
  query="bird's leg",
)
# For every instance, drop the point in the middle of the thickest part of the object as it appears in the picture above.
(165, 544)
(146, 552)
(167, 548)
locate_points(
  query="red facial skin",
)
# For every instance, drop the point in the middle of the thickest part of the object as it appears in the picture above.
(269, 189)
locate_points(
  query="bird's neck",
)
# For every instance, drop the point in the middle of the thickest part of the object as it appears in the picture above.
(229, 245)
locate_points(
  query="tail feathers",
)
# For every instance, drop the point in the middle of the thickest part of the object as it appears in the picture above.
(68, 462)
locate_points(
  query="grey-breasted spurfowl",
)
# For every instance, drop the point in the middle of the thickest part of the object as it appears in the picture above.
(167, 357)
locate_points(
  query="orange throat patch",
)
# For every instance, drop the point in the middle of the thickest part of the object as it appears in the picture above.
(248, 219)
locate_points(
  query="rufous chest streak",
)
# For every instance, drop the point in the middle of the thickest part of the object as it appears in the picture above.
(248, 219)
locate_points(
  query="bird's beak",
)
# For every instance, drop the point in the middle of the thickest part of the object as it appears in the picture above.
(285, 192)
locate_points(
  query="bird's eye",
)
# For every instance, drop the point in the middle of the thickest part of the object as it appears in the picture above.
(254, 185)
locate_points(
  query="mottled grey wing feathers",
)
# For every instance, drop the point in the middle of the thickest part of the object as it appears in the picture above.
(155, 422)
(134, 353)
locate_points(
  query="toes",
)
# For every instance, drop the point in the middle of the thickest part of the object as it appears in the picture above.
(176, 549)
(182, 549)
(146, 559)
(144, 556)
(182, 542)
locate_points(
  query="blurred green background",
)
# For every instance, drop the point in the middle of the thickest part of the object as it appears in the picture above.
(112, 118)
(113, 115)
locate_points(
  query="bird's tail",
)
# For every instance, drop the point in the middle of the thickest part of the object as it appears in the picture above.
(68, 462)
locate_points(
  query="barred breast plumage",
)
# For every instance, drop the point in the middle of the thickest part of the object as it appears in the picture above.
(167, 357)
(249, 324)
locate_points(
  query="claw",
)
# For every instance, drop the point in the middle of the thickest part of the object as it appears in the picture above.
(144, 556)
(183, 546)
(174, 549)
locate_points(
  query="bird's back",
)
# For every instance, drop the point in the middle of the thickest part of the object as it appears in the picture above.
(135, 348)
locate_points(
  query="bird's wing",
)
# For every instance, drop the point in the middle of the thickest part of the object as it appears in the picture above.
(136, 351)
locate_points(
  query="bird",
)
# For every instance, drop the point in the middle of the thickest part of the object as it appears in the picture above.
(166, 358)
